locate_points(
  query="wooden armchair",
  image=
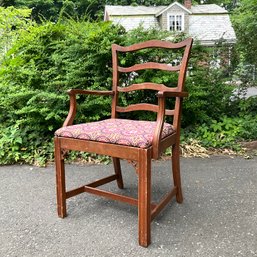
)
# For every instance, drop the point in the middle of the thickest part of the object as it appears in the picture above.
(138, 141)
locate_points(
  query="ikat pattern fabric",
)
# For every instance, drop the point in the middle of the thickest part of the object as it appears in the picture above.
(116, 131)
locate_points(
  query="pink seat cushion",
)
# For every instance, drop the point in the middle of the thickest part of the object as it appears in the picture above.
(116, 131)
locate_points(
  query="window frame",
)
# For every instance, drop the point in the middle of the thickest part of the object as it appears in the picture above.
(175, 15)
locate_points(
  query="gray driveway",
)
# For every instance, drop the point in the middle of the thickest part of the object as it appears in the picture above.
(217, 218)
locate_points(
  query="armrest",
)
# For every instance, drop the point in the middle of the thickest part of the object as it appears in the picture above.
(73, 103)
(89, 92)
(172, 94)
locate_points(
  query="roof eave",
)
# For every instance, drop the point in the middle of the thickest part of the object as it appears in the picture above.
(171, 5)
(214, 42)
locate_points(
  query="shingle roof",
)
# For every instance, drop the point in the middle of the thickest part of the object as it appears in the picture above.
(211, 28)
(132, 10)
(207, 8)
(148, 10)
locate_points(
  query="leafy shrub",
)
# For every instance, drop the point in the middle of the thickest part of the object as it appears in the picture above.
(50, 58)
(248, 105)
(209, 95)
(223, 133)
(43, 63)
(227, 132)
(249, 131)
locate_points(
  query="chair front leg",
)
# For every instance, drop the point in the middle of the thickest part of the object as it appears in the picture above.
(60, 181)
(144, 198)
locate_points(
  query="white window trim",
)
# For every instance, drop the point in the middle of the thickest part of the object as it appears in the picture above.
(176, 14)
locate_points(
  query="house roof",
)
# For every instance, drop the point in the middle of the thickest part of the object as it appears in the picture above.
(119, 10)
(127, 10)
(207, 8)
(209, 28)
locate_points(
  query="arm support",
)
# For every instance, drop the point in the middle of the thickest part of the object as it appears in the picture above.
(162, 95)
(73, 103)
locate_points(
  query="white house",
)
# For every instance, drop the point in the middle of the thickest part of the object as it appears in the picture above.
(207, 23)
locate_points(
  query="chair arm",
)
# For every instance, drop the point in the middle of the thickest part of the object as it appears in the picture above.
(73, 103)
(172, 94)
(162, 95)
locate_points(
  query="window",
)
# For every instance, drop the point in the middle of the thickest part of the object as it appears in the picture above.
(176, 22)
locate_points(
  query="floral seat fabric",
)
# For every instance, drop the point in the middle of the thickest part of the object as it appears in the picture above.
(116, 131)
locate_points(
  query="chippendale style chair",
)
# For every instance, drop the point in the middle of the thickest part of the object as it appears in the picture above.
(137, 141)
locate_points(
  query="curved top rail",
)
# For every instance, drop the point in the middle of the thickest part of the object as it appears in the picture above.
(151, 44)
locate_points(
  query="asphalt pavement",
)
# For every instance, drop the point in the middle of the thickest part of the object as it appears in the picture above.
(217, 218)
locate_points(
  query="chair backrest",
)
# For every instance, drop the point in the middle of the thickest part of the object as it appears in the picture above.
(159, 63)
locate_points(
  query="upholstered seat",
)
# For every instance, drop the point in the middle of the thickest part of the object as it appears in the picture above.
(116, 131)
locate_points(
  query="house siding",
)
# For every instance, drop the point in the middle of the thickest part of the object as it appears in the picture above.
(186, 23)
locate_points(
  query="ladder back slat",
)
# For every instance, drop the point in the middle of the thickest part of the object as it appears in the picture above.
(147, 85)
(149, 65)
(143, 107)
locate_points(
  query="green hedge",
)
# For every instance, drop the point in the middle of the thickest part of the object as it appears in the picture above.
(43, 63)
(50, 58)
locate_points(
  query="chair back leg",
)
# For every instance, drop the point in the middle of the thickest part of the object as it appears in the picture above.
(117, 170)
(176, 172)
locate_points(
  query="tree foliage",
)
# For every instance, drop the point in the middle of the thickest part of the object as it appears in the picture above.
(12, 20)
(5, 3)
(244, 21)
(93, 9)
